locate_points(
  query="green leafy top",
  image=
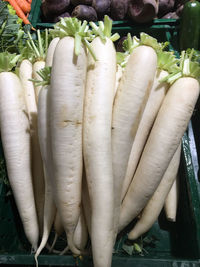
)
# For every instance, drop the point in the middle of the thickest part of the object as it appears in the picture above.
(186, 68)
(148, 40)
(8, 61)
(35, 49)
(195, 54)
(167, 61)
(132, 42)
(122, 58)
(104, 30)
(128, 45)
(45, 74)
(13, 12)
(75, 28)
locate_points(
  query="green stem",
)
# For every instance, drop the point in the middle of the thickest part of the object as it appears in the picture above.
(107, 26)
(97, 31)
(46, 40)
(191, 54)
(186, 67)
(101, 25)
(129, 42)
(83, 27)
(41, 50)
(33, 45)
(87, 44)
(174, 77)
(115, 37)
(29, 45)
(171, 77)
(77, 40)
(182, 59)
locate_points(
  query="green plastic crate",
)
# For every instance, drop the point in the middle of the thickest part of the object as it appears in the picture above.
(176, 244)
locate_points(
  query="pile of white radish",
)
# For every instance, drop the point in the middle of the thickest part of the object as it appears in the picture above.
(91, 144)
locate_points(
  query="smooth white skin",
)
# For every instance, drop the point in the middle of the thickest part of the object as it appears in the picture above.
(44, 141)
(129, 103)
(100, 88)
(164, 139)
(66, 116)
(15, 136)
(154, 206)
(154, 102)
(171, 201)
(25, 73)
(37, 66)
(81, 232)
(86, 203)
(50, 52)
(119, 74)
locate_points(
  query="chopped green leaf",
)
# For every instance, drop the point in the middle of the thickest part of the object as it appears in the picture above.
(45, 74)
(8, 61)
(128, 249)
(167, 61)
(148, 40)
(10, 25)
(122, 58)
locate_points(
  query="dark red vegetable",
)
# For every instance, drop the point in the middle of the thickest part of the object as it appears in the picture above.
(165, 6)
(81, 2)
(102, 7)
(84, 12)
(63, 15)
(179, 10)
(51, 8)
(142, 11)
(119, 46)
(170, 15)
(118, 9)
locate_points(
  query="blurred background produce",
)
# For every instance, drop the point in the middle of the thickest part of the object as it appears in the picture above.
(137, 11)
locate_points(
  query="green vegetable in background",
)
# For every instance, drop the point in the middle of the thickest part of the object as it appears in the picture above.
(9, 27)
(12, 33)
(189, 36)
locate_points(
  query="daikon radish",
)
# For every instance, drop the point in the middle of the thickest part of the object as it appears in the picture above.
(129, 103)
(166, 64)
(171, 201)
(100, 86)
(16, 140)
(154, 206)
(168, 129)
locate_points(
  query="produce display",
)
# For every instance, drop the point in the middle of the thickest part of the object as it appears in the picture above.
(138, 11)
(92, 136)
(22, 9)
